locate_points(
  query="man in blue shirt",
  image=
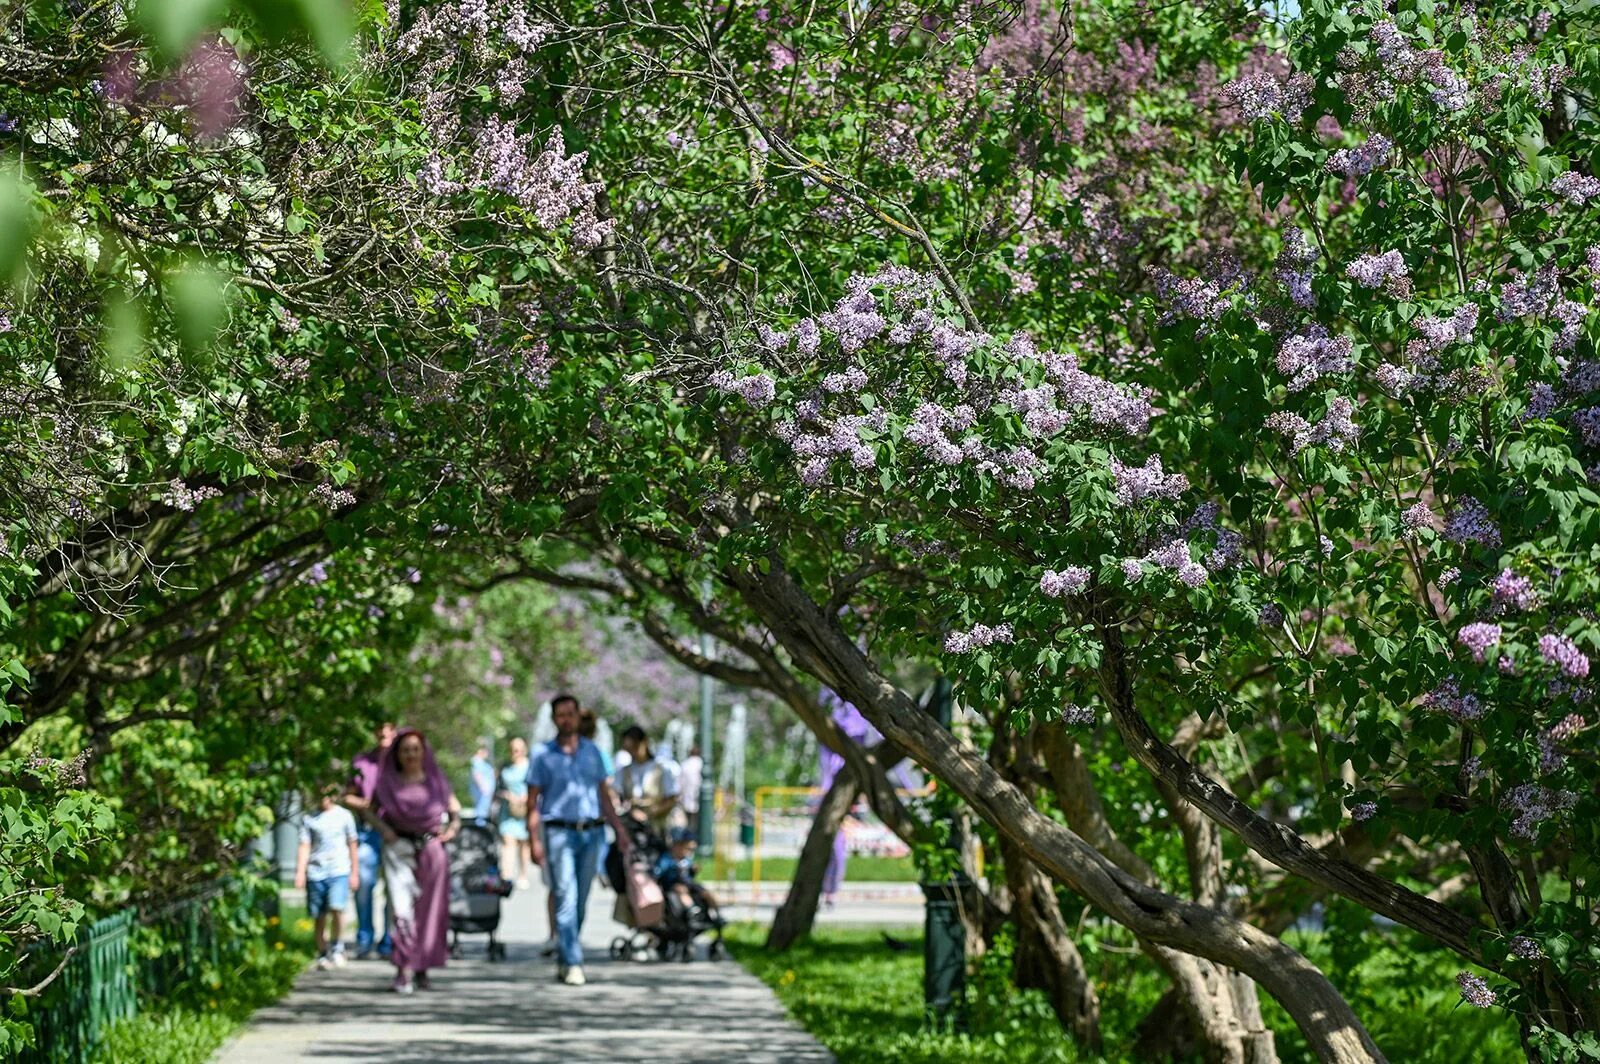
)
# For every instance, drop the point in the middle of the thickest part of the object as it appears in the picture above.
(568, 794)
(481, 783)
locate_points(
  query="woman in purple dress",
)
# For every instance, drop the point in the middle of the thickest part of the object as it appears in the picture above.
(417, 815)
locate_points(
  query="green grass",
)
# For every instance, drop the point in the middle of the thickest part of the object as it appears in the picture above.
(780, 870)
(864, 1002)
(190, 1028)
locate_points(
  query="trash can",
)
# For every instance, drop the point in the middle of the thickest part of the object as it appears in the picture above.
(944, 954)
(747, 827)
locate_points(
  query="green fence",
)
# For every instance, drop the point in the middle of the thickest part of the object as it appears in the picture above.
(131, 955)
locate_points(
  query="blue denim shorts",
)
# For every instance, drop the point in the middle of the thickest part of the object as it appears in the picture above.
(331, 895)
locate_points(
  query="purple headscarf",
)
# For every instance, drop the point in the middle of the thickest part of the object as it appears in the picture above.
(411, 808)
(853, 724)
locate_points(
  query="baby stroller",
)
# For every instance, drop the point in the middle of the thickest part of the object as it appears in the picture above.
(476, 887)
(673, 934)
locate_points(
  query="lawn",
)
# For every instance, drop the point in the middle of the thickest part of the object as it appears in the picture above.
(863, 1000)
(780, 870)
(189, 1028)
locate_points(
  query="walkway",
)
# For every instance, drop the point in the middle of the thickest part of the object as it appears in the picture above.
(706, 1012)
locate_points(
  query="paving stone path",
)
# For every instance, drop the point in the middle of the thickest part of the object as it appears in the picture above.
(704, 1012)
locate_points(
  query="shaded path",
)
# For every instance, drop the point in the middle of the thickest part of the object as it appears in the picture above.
(703, 1012)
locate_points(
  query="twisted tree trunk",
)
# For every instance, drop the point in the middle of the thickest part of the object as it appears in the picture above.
(816, 642)
(798, 912)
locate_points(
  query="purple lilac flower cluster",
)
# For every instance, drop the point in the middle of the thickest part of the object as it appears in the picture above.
(930, 426)
(1512, 591)
(331, 497)
(1564, 654)
(1525, 948)
(1399, 63)
(1077, 716)
(1294, 268)
(1056, 583)
(1260, 94)
(977, 637)
(843, 437)
(1362, 811)
(1336, 431)
(1358, 162)
(1415, 518)
(1529, 295)
(1478, 637)
(1174, 556)
(1577, 189)
(1386, 270)
(1474, 991)
(757, 389)
(1532, 804)
(1270, 616)
(180, 496)
(1438, 333)
(1139, 484)
(549, 185)
(1448, 698)
(1199, 298)
(1307, 356)
(1468, 522)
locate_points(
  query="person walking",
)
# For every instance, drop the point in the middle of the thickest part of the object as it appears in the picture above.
(481, 783)
(417, 816)
(689, 775)
(648, 784)
(569, 799)
(327, 868)
(514, 850)
(369, 848)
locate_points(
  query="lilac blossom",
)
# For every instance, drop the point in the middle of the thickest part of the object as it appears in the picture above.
(1577, 189)
(1416, 517)
(1448, 698)
(976, 638)
(1528, 295)
(180, 496)
(1478, 637)
(1294, 265)
(1336, 431)
(1564, 654)
(757, 389)
(1077, 716)
(1260, 94)
(1387, 269)
(331, 497)
(1363, 811)
(1513, 591)
(1072, 580)
(1139, 484)
(1270, 616)
(1358, 162)
(1533, 804)
(1305, 357)
(1132, 570)
(928, 429)
(1474, 991)
(1468, 522)
(1525, 948)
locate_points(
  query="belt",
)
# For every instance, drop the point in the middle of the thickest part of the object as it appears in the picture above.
(574, 825)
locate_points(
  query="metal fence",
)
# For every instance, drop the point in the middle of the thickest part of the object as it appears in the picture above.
(128, 956)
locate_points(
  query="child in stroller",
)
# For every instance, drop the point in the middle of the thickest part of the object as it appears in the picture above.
(691, 909)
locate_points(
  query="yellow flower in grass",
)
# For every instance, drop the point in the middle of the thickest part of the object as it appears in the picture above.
(303, 924)
(277, 945)
(787, 978)
(272, 921)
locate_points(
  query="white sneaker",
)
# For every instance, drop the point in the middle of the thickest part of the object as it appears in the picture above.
(323, 963)
(574, 976)
(404, 985)
(339, 959)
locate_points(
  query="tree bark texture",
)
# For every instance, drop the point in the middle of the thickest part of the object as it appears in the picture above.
(798, 912)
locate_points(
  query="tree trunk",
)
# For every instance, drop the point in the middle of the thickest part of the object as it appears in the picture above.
(813, 637)
(795, 916)
(1046, 957)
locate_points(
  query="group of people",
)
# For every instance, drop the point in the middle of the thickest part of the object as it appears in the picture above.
(551, 807)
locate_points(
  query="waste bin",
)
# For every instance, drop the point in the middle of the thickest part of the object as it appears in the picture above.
(944, 953)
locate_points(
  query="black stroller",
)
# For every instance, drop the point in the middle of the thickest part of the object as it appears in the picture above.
(680, 925)
(476, 887)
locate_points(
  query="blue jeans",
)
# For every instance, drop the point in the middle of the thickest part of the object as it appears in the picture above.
(574, 856)
(369, 854)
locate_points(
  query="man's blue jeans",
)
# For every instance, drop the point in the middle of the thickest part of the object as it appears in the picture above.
(370, 856)
(574, 857)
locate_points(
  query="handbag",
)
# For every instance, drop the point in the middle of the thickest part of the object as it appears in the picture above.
(644, 897)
